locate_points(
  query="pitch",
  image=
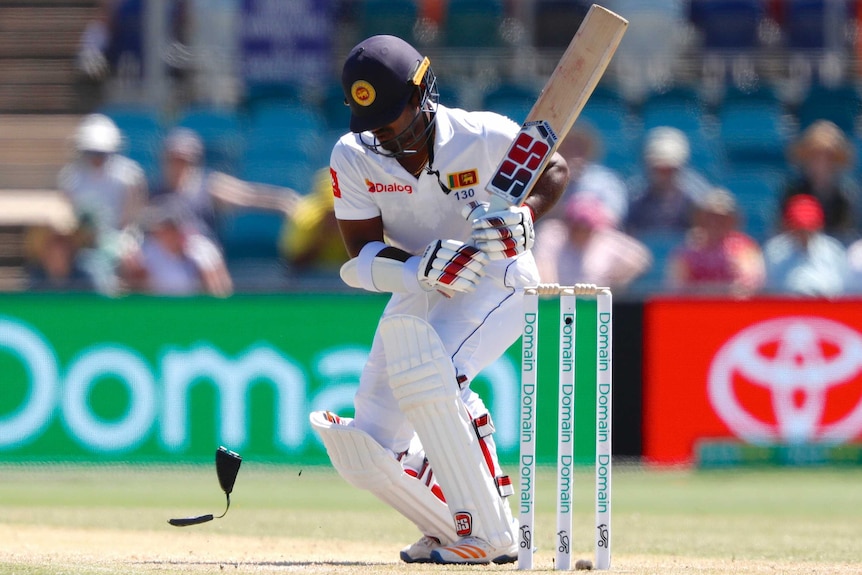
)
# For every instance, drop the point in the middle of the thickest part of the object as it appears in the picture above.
(83, 520)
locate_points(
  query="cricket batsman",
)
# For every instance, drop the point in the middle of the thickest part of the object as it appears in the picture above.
(409, 184)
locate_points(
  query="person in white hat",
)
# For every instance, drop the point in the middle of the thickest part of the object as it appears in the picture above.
(107, 192)
(665, 201)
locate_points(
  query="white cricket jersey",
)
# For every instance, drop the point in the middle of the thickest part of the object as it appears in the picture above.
(477, 327)
(468, 148)
(102, 194)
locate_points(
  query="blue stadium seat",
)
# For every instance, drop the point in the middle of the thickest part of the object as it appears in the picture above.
(221, 132)
(450, 95)
(753, 133)
(288, 130)
(679, 107)
(760, 92)
(473, 23)
(661, 245)
(607, 95)
(757, 191)
(606, 117)
(728, 25)
(707, 156)
(856, 141)
(556, 21)
(610, 118)
(806, 22)
(512, 100)
(284, 170)
(250, 234)
(395, 17)
(263, 94)
(143, 133)
(842, 105)
(334, 109)
(286, 114)
(684, 117)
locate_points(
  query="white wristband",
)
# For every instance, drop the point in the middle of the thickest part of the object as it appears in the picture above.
(364, 263)
(410, 275)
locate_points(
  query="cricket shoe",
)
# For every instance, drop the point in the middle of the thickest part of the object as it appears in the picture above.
(420, 552)
(472, 550)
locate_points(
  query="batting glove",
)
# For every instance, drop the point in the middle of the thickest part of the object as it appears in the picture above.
(504, 234)
(450, 266)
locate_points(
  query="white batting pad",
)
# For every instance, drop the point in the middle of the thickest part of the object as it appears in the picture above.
(365, 464)
(422, 378)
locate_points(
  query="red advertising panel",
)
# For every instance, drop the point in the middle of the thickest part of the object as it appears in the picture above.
(761, 372)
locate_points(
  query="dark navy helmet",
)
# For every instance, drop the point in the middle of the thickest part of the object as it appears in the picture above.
(379, 77)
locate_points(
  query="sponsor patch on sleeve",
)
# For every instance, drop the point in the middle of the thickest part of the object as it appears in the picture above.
(336, 191)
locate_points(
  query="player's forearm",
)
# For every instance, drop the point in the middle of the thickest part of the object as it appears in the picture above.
(549, 187)
(357, 233)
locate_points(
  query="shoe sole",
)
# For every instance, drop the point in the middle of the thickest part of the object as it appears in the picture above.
(501, 560)
(408, 559)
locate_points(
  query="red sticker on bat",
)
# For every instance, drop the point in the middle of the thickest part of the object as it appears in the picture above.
(524, 162)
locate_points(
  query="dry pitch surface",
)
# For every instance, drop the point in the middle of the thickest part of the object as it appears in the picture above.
(113, 520)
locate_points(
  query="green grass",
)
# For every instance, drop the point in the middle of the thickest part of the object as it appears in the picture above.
(309, 520)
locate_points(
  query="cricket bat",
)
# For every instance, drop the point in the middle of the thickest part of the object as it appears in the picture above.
(561, 101)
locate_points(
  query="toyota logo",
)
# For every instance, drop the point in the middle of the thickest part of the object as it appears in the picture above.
(790, 380)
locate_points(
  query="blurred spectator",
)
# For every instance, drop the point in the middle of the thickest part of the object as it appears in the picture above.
(184, 179)
(716, 258)
(106, 191)
(823, 154)
(204, 194)
(172, 257)
(588, 178)
(854, 261)
(665, 201)
(803, 260)
(53, 260)
(584, 246)
(310, 241)
(112, 47)
(91, 59)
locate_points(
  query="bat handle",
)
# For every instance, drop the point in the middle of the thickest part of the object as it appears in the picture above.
(498, 204)
(479, 209)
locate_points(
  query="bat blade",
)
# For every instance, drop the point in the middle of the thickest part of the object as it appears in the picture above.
(558, 106)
